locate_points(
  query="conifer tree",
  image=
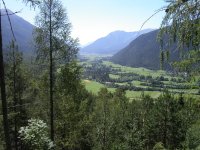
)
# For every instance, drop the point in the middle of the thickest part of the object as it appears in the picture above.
(3, 93)
(16, 84)
(103, 120)
(54, 44)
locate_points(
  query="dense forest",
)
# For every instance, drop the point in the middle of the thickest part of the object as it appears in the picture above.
(45, 105)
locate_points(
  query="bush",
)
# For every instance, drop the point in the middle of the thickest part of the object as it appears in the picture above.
(35, 135)
(159, 146)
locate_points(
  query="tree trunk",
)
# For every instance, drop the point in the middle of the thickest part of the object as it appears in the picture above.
(51, 76)
(3, 94)
(14, 97)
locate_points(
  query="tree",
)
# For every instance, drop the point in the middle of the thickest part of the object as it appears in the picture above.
(73, 109)
(103, 120)
(32, 2)
(134, 126)
(2, 82)
(16, 85)
(3, 93)
(149, 121)
(181, 24)
(54, 44)
(120, 116)
(192, 136)
(159, 146)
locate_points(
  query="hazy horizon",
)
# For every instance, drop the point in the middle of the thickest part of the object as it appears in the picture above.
(92, 19)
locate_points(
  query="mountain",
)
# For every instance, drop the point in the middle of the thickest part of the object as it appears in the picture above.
(22, 31)
(112, 43)
(143, 52)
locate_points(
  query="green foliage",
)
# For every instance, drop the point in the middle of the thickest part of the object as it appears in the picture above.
(181, 22)
(134, 127)
(162, 59)
(192, 137)
(120, 120)
(16, 86)
(73, 110)
(103, 120)
(159, 146)
(54, 48)
(181, 25)
(35, 135)
(190, 63)
(64, 48)
(68, 78)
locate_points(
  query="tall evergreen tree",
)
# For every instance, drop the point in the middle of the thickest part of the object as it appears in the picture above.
(103, 120)
(3, 93)
(54, 44)
(2, 82)
(72, 107)
(16, 84)
(120, 120)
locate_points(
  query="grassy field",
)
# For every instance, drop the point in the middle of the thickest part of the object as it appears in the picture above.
(140, 71)
(113, 76)
(94, 86)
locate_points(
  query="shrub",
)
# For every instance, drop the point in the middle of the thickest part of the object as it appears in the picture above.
(35, 135)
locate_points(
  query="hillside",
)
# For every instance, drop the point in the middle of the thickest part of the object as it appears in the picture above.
(143, 52)
(22, 30)
(112, 43)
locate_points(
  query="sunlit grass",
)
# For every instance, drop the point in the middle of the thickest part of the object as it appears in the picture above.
(113, 76)
(140, 71)
(94, 87)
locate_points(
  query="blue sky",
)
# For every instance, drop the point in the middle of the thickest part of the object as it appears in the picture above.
(92, 19)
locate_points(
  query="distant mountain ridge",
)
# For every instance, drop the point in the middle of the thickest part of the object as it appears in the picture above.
(112, 43)
(22, 31)
(144, 52)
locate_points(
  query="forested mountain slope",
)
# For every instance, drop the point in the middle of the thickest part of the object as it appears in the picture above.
(22, 31)
(143, 52)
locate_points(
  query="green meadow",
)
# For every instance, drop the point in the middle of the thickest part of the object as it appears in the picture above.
(94, 86)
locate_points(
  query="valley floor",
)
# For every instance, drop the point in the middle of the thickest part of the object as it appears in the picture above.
(99, 73)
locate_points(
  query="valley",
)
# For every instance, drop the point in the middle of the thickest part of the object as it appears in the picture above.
(99, 72)
(112, 79)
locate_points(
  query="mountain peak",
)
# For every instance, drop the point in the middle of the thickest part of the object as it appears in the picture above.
(117, 31)
(112, 43)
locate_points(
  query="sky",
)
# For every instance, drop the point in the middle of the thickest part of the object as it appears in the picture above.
(92, 19)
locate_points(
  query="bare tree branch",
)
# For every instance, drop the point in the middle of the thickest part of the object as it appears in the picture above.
(9, 20)
(13, 13)
(32, 3)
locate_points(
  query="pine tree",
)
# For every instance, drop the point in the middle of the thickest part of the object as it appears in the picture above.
(73, 123)
(103, 120)
(3, 93)
(2, 82)
(120, 119)
(16, 84)
(54, 44)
